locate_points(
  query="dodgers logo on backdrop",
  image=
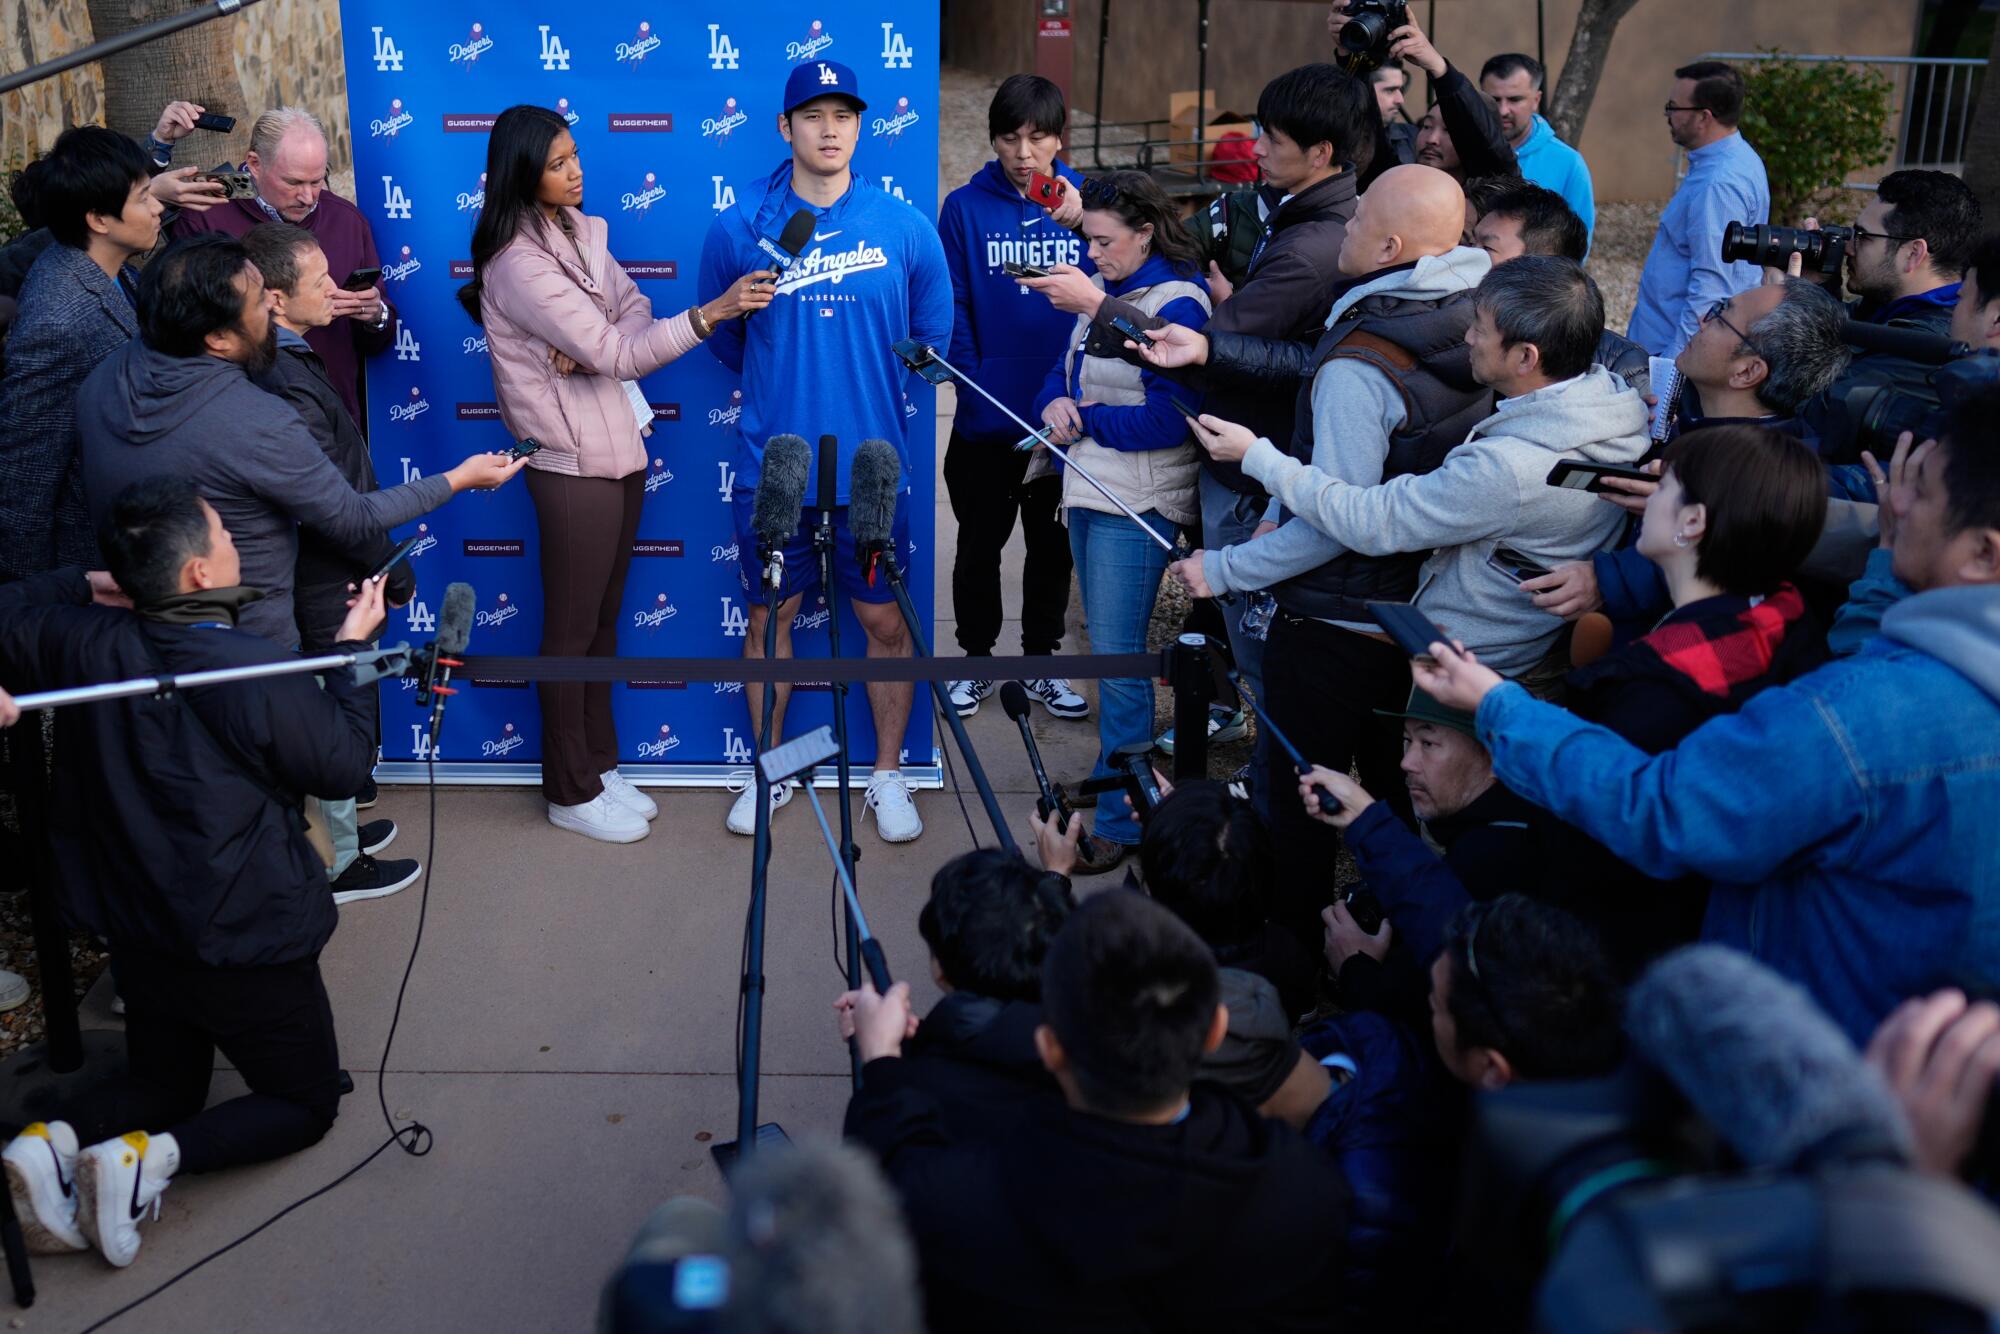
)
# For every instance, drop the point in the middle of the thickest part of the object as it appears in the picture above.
(509, 740)
(728, 479)
(407, 346)
(416, 406)
(821, 267)
(411, 472)
(812, 620)
(730, 415)
(659, 745)
(719, 127)
(400, 269)
(891, 127)
(720, 553)
(503, 611)
(658, 476)
(889, 187)
(473, 199)
(635, 50)
(388, 58)
(395, 204)
(727, 687)
(817, 40)
(896, 52)
(555, 55)
(735, 621)
(725, 195)
(423, 621)
(389, 126)
(734, 749)
(426, 539)
(474, 46)
(649, 193)
(570, 117)
(475, 346)
(722, 52)
(655, 616)
(420, 744)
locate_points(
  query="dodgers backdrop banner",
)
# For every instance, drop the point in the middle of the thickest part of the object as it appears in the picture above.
(674, 106)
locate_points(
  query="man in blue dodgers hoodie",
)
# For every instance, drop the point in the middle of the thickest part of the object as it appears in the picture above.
(1513, 83)
(1846, 818)
(817, 361)
(1006, 338)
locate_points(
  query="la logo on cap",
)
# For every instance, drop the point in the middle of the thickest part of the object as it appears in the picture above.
(826, 75)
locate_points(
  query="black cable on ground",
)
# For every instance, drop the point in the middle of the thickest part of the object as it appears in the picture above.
(415, 1138)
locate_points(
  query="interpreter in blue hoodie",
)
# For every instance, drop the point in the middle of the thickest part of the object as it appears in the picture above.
(1006, 338)
(1513, 83)
(817, 361)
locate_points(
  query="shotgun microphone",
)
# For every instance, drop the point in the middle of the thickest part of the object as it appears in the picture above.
(780, 499)
(1014, 701)
(454, 632)
(872, 487)
(829, 473)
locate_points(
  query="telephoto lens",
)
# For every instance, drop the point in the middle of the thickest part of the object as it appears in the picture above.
(1824, 250)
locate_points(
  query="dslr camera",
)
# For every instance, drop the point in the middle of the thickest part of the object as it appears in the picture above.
(1364, 41)
(1771, 247)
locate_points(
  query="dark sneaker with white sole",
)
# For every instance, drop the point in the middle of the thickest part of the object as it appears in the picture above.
(377, 835)
(366, 797)
(367, 878)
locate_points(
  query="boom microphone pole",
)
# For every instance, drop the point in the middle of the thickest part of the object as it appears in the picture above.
(124, 41)
(848, 854)
(871, 516)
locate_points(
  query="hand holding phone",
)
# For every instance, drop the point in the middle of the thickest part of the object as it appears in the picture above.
(1046, 190)
(1409, 629)
(362, 280)
(1573, 475)
(1013, 270)
(235, 184)
(215, 121)
(388, 563)
(523, 447)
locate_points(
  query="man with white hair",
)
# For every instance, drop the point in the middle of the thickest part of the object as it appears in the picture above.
(287, 163)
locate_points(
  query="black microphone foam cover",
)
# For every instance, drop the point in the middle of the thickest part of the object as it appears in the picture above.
(871, 492)
(798, 231)
(781, 489)
(455, 621)
(829, 471)
(1014, 700)
(1761, 1062)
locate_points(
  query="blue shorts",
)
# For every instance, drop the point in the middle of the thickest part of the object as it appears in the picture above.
(802, 563)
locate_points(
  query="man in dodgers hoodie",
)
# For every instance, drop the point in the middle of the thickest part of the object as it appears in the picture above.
(1533, 337)
(1006, 337)
(817, 361)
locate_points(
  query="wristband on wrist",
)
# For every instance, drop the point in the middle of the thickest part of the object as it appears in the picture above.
(702, 327)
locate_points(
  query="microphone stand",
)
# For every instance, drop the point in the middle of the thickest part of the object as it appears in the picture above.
(886, 553)
(369, 665)
(849, 854)
(747, 1130)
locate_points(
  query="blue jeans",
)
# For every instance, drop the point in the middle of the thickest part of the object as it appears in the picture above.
(1118, 569)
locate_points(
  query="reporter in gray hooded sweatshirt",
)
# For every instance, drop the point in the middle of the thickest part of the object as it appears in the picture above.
(1534, 334)
(179, 400)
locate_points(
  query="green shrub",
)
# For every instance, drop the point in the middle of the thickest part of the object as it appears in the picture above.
(1814, 125)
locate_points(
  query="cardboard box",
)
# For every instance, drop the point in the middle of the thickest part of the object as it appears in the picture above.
(1181, 117)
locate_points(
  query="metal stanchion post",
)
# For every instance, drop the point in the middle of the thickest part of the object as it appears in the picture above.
(1192, 680)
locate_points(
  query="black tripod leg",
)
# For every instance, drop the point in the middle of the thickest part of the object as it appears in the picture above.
(760, 869)
(850, 853)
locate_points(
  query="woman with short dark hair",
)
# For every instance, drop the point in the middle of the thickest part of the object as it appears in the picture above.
(92, 191)
(570, 336)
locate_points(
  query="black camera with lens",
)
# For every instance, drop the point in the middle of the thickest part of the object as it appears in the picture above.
(1771, 247)
(1364, 41)
(1885, 412)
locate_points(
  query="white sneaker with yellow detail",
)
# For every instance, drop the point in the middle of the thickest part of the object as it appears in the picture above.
(41, 1178)
(116, 1183)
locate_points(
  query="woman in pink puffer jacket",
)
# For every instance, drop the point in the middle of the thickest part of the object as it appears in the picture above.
(570, 335)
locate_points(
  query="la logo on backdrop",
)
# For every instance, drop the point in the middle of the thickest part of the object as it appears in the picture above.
(672, 104)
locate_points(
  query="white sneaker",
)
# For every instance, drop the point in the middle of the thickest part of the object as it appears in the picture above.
(603, 818)
(896, 818)
(966, 695)
(41, 1176)
(116, 1182)
(1057, 697)
(631, 798)
(743, 815)
(14, 990)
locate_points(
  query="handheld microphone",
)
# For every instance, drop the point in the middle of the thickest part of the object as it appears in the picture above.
(829, 473)
(454, 632)
(798, 231)
(1762, 1064)
(876, 479)
(781, 497)
(1014, 701)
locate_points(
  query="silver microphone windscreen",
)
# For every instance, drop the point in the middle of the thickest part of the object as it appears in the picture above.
(781, 489)
(1760, 1061)
(455, 621)
(876, 477)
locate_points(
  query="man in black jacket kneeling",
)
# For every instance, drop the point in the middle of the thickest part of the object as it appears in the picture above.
(1144, 1201)
(178, 830)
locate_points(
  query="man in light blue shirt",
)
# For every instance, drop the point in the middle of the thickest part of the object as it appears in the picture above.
(1684, 274)
(1513, 83)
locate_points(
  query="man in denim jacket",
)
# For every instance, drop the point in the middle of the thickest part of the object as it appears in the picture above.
(1849, 818)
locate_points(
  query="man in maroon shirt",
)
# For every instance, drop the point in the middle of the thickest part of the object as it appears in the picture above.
(287, 163)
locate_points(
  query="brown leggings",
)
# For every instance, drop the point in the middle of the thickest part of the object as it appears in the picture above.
(587, 528)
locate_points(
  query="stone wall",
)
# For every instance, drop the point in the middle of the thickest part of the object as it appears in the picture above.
(287, 53)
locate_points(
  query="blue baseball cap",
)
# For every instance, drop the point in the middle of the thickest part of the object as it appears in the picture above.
(822, 78)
